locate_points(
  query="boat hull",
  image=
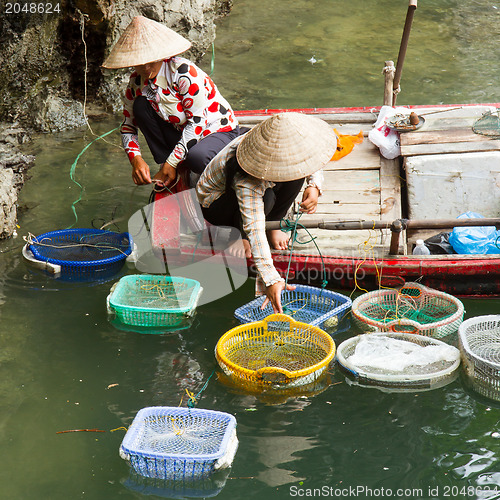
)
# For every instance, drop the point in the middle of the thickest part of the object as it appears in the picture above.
(463, 276)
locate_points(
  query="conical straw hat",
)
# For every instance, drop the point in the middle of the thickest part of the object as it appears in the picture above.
(286, 147)
(145, 41)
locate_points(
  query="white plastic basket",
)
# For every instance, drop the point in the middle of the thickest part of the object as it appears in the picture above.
(479, 343)
(416, 377)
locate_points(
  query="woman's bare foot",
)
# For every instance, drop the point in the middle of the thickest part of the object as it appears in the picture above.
(278, 239)
(240, 249)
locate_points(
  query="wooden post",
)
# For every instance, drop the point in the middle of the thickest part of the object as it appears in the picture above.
(389, 71)
(402, 48)
(396, 228)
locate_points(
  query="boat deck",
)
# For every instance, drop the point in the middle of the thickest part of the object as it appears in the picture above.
(360, 186)
(364, 186)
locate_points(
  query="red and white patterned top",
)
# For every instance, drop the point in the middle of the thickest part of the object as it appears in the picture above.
(183, 95)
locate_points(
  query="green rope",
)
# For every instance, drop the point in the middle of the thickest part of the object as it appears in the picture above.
(287, 226)
(193, 399)
(73, 169)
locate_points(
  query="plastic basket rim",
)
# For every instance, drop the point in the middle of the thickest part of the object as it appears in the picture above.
(193, 300)
(77, 263)
(406, 321)
(177, 410)
(393, 378)
(465, 343)
(297, 374)
(316, 322)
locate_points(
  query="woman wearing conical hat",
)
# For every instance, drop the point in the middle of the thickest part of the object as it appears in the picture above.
(257, 177)
(175, 104)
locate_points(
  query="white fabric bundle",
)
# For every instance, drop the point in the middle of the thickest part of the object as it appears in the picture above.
(394, 355)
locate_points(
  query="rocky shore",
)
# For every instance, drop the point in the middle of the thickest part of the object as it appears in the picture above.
(52, 73)
(13, 167)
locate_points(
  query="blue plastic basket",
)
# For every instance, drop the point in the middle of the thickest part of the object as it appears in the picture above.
(83, 253)
(307, 304)
(177, 443)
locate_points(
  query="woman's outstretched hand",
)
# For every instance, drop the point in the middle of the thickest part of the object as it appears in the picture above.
(273, 295)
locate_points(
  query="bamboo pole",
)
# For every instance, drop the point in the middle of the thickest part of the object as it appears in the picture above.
(402, 48)
(339, 225)
(396, 226)
(388, 71)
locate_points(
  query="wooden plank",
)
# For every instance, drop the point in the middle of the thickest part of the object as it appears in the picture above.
(337, 119)
(345, 243)
(390, 189)
(353, 128)
(346, 210)
(448, 123)
(351, 179)
(369, 195)
(452, 115)
(441, 136)
(351, 204)
(340, 238)
(364, 156)
(460, 147)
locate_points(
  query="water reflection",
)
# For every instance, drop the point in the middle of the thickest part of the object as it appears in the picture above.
(276, 396)
(201, 488)
(278, 454)
(474, 463)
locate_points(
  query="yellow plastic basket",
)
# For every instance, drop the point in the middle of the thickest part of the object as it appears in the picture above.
(277, 351)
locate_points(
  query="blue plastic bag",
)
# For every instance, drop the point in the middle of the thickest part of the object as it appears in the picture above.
(475, 240)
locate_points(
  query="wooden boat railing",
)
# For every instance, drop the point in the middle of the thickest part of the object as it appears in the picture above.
(396, 226)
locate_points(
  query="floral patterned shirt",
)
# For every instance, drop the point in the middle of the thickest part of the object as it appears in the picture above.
(183, 95)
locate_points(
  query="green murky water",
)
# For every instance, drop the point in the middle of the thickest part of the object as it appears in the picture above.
(60, 357)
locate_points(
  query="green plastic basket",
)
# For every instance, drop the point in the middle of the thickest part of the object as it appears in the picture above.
(413, 308)
(153, 300)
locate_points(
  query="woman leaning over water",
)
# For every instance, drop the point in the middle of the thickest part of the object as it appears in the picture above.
(258, 176)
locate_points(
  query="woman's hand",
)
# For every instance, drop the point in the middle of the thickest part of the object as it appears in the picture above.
(140, 171)
(310, 200)
(166, 175)
(273, 293)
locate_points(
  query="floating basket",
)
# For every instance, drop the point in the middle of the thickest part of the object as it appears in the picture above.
(479, 342)
(83, 253)
(306, 304)
(179, 443)
(277, 351)
(399, 360)
(413, 308)
(147, 300)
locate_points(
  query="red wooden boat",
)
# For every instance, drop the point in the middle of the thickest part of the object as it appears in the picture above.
(373, 209)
